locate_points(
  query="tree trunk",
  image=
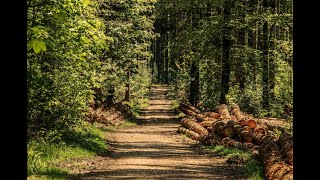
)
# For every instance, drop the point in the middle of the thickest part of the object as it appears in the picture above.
(195, 83)
(127, 93)
(226, 45)
(265, 65)
(110, 97)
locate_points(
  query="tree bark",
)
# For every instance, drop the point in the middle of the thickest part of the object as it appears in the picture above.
(195, 83)
(226, 46)
(286, 142)
(127, 93)
(274, 165)
(193, 135)
(194, 126)
(265, 65)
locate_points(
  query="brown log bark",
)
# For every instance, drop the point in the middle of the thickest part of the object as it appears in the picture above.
(177, 111)
(224, 129)
(211, 139)
(286, 142)
(223, 112)
(235, 111)
(274, 127)
(194, 126)
(244, 134)
(260, 130)
(207, 124)
(193, 135)
(213, 115)
(260, 138)
(190, 107)
(187, 111)
(274, 165)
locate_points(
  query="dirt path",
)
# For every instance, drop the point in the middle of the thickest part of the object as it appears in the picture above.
(153, 150)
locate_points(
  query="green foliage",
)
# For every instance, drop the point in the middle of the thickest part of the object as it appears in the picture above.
(250, 167)
(194, 30)
(43, 156)
(77, 52)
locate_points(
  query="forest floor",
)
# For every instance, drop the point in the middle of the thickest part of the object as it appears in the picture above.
(153, 150)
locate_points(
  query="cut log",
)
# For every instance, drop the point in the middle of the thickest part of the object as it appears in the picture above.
(223, 112)
(193, 135)
(201, 117)
(274, 127)
(260, 130)
(259, 138)
(206, 124)
(177, 111)
(224, 129)
(211, 139)
(244, 134)
(229, 130)
(242, 122)
(251, 123)
(274, 165)
(187, 111)
(235, 111)
(286, 142)
(194, 126)
(190, 107)
(213, 115)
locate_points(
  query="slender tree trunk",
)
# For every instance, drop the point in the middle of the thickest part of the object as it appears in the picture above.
(226, 45)
(166, 68)
(195, 83)
(110, 97)
(265, 66)
(127, 93)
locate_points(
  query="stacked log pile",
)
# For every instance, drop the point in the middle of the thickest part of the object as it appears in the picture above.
(114, 115)
(238, 129)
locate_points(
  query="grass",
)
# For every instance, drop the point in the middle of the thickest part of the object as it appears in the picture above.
(43, 157)
(250, 167)
(137, 105)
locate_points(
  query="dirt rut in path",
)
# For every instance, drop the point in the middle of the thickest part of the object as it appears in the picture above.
(153, 150)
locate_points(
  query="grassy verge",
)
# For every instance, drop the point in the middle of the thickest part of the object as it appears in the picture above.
(44, 156)
(137, 105)
(250, 167)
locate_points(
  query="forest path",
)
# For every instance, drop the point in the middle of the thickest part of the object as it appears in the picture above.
(154, 150)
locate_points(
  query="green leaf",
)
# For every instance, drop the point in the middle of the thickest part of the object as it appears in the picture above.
(43, 46)
(36, 45)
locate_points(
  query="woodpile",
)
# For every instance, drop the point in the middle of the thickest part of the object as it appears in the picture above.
(286, 143)
(194, 126)
(274, 165)
(193, 135)
(238, 129)
(223, 112)
(114, 115)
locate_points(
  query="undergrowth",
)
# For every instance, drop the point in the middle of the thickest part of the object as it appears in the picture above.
(44, 155)
(250, 167)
